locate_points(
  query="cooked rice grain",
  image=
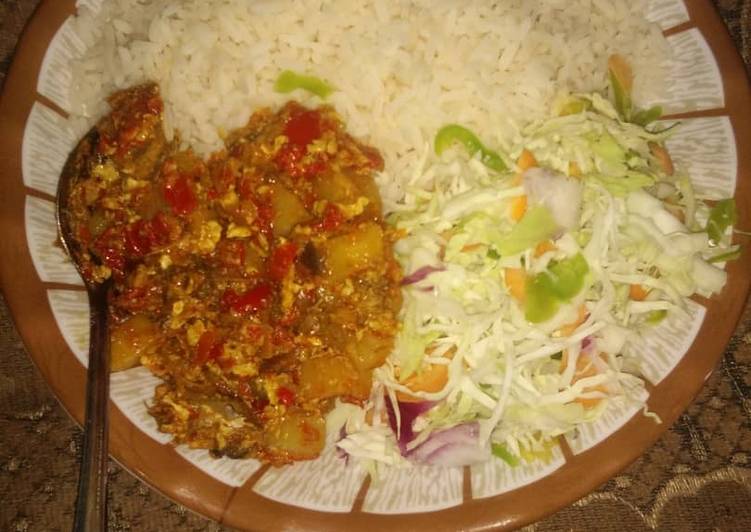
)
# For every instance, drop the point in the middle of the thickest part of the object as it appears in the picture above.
(402, 68)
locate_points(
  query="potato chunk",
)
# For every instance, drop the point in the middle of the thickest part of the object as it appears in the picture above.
(347, 189)
(369, 189)
(336, 188)
(299, 434)
(371, 350)
(321, 378)
(288, 210)
(131, 339)
(347, 254)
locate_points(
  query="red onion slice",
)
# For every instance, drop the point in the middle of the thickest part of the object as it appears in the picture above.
(455, 446)
(408, 412)
(421, 273)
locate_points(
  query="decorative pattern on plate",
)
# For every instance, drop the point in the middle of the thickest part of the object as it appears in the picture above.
(131, 390)
(227, 470)
(695, 82)
(496, 476)
(325, 484)
(661, 347)
(93, 5)
(50, 261)
(411, 490)
(617, 413)
(47, 141)
(667, 13)
(705, 147)
(55, 74)
(71, 311)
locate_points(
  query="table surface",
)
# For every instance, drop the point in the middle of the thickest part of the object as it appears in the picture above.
(696, 477)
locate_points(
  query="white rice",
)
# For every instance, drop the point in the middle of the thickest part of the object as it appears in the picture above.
(402, 68)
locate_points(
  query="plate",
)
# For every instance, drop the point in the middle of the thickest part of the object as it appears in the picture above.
(709, 92)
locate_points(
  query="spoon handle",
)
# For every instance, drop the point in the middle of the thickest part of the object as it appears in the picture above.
(91, 505)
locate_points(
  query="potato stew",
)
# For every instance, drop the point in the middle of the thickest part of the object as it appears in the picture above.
(258, 284)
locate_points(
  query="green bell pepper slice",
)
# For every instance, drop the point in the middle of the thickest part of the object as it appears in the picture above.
(722, 216)
(289, 81)
(452, 133)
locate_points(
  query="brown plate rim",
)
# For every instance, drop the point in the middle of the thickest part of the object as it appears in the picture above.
(161, 467)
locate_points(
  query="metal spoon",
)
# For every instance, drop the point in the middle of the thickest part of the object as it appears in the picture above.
(91, 505)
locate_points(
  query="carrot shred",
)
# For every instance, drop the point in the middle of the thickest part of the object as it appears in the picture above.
(526, 160)
(543, 247)
(663, 158)
(518, 207)
(472, 247)
(591, 402)
(570, 328)
(432, 379)
(622, 71)
(516, 282)
(584, 368)
(637, 292)
(676, 211)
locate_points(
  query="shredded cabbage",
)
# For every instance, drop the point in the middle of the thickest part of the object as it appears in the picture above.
(531, 316)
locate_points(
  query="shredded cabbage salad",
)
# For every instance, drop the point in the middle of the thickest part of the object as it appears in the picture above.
(525, 281)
